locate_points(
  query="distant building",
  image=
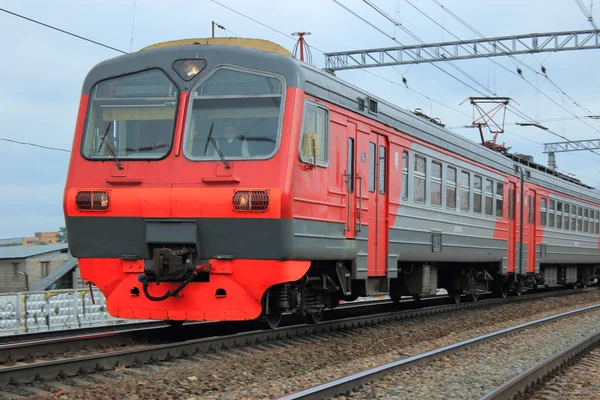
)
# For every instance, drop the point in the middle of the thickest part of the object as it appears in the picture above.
(11, 242)
(40, 238)
(22, 267)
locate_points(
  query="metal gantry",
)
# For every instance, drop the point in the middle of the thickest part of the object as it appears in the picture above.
(573, 145)
(463, 49)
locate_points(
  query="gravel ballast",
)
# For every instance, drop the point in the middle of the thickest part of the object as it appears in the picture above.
(273, 369)
(473, 372)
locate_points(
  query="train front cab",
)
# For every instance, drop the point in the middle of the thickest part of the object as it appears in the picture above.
(169, 216)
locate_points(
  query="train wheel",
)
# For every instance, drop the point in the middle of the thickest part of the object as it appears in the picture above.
(503, 290)
(315, 318)
(519, 290)
(272, 320)
(475, 296)
(500, 289)
(454, 297)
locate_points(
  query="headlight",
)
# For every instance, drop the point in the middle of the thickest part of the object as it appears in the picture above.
(88, 200)
(251, 200)
(188, 69)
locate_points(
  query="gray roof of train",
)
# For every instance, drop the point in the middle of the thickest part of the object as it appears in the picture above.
(322, 84)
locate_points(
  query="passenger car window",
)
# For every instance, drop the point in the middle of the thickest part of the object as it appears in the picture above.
(315, 135)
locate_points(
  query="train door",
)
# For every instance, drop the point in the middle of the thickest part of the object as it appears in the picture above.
(531, 231)
(350, 174)
(512, 227)
(377, 158)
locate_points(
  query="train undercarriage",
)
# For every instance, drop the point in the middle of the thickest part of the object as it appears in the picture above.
(325, 285)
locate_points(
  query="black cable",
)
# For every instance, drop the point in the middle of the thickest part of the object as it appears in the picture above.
(35, 145)
(520, 63)
(63, 31)
(416, 38)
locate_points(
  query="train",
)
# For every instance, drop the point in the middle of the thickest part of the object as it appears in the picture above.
(223, 179)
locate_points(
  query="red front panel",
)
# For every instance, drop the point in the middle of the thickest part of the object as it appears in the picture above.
(176, 187)
(233, 293)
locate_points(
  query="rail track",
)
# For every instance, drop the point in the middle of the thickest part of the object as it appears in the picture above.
(125, 326)
(130, 357)
(32, 346)
(512, 389)
(532, 380)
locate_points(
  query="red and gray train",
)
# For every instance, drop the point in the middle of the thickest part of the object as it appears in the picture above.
(226, 180)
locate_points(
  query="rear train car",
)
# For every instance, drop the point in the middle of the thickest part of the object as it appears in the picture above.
(222, 179)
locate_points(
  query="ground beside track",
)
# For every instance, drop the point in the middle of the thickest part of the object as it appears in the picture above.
(472, 372)
(272, 369)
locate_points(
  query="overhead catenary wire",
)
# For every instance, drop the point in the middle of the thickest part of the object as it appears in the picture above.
(35, 145)
(518, 112)
(396, 23)
(63, 31)
(544, 74)
(252, 19)
(587, 14)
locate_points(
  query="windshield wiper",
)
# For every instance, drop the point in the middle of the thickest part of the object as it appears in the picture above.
(110, 147)
(212, 140)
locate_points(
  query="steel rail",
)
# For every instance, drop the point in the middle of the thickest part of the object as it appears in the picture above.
(353, 382)
(527, 382)
(6, 338)
(27, 372)
(10, 338)
(29, 349)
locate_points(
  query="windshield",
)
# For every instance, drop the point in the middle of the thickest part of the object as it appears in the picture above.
(137, 115)
(244, 110)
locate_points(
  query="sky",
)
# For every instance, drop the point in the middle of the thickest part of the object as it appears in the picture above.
(42, 71)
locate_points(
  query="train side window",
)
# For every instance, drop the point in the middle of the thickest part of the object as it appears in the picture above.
(573, 217)
(597, 222)
(489, 197)
(551, 213)
(451, 188)
(404, 175)
(566, 212)
(559, 209)
(531, 213)
(586, 225)
(543, 212)
(420, 175)
(477, 185)
(465, 188)
(315, 137)
(436, 183)
(499, 199)
(350, 165)
(372, 167)
(579, 219)
(382, 168)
